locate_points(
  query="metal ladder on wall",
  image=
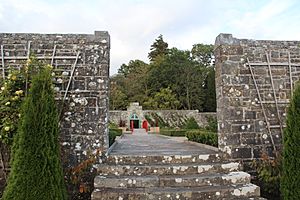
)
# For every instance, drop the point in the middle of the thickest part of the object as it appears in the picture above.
(268, 64)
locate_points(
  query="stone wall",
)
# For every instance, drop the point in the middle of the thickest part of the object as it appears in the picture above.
(81, 67)
(254, 81)
(174, 118)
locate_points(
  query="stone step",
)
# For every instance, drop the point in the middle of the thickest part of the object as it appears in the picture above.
(195, 193)
(176, 169)
(171, 180)
(161, 159)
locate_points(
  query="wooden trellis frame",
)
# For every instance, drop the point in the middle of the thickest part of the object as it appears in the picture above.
(261, 104)
(71, 75)
(268, 64)
(274, 94)
(2, 59)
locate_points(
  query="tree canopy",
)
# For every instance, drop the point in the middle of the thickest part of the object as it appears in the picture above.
(158, 48)
(174, 79)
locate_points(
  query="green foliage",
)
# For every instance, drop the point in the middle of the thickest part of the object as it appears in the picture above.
(129, 86)
(203, 54)
(268, 175)
(36, 169)
(113, 133)
(290, 186)
(112, 125)
(212, 124)
(172, 132)
(133, 66)
(12, 93)
(164, 100)
(11, 97)
(210, 102)
(204, 137)
(182, 75)
(190, 123)
(174, 79)
(158, 49)
(118, 99)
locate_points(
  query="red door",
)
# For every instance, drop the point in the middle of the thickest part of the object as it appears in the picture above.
(145, 125)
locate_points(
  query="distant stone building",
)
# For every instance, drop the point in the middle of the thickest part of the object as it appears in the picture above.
(173, 118)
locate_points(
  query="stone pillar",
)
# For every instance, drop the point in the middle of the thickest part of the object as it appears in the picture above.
(242, 127)
(81, 74)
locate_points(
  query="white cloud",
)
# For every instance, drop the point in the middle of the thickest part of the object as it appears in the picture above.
(135, 24)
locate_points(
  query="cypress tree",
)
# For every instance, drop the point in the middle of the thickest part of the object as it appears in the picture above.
(290, 180)
(36, 169)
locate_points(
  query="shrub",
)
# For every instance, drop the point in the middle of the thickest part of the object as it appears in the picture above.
(112, 125)
(190, 123)
(205, 137)
(113, 133)
(175, 133)
(36, 169)
(212, 124)
(122, 123)
(290, 186)
(268, 175)
(13, 90)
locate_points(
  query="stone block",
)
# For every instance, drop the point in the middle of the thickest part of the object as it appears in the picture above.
(242, 152)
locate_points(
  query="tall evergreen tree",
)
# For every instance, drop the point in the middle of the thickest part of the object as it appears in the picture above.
(210, 104)
(36, 169)
(158, 48)
(290, 180)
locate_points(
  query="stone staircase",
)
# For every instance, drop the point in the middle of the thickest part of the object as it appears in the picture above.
(172, 177)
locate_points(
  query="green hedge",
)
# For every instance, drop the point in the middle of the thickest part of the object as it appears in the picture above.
(113, 133)
(175, 133)
(205, 137)
(190, 123)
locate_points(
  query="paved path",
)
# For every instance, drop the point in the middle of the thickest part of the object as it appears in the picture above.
(141, 143)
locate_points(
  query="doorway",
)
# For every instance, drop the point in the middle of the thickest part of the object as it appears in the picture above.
(134, 119)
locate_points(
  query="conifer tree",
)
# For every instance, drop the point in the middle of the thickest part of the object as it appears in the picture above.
(290, 179)
(158, 48)
(36, 169)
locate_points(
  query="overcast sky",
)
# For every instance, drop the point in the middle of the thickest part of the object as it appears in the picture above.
(135, 24)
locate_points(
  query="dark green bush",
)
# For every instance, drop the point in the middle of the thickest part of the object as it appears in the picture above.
(205, 137)
(113, 133)
(112, 125)
(36, 171)
(212, 124)
(290, 179)
(190, 123)
(268, 175)
(174, 133)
